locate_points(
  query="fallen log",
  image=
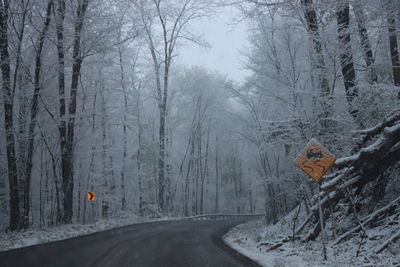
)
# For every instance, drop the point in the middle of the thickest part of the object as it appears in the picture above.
(370, 133)
(362, 169)
(389, 137)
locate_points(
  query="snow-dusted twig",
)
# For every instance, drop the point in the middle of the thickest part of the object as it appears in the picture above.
(371, 217)
(391, 240)
(276, 245)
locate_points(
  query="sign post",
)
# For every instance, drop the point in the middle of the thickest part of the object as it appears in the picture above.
(315, 161)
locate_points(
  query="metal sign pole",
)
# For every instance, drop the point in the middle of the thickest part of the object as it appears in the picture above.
(315, 161)
(321, 221)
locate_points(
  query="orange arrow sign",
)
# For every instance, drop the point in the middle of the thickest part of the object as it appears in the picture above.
(90, 196)
(315, 160)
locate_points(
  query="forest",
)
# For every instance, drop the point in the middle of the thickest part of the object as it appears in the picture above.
(93, 100)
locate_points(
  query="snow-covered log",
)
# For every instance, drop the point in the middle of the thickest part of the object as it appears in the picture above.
(354, 172)
(369, 134)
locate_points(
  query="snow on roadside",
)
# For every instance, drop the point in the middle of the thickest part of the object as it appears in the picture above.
(245, 239)
(249, 237)
(14, 240)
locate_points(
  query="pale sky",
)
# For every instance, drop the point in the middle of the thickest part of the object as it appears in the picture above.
(226, 38)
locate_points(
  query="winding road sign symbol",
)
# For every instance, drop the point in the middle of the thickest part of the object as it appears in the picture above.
(315, 160)
(90, 196)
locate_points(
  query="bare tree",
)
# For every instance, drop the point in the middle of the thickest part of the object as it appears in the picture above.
(173, 23)
(34, 112)
(8, 116)
(67, 126)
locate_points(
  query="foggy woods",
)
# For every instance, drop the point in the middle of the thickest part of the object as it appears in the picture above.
(93, 102)
(93, 99)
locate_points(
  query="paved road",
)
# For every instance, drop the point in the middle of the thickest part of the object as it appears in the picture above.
(161, 244)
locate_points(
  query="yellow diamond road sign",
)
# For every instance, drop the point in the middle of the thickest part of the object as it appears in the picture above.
(315, 160)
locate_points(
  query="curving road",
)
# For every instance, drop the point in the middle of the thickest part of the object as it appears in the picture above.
(160, 244)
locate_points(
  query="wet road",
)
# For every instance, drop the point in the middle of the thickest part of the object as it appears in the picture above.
(184, 243)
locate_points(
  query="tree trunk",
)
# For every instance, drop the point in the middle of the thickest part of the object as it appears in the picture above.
(318, 62)
(155, 164)
(251, 206)
(187, 180)
(105, 204)
(216, 176)
(168, 193)
(205, 173)
(67, 159)
(34, 111)
(161, 171)
(54, 169)
(90, 183)
(81, 182)
(346, 56)
(111, 173)
(240, 189)
(199, 175)
(46, 193)
(8, 117)
(139, 153)
(21, 79)
(61, 91)
(394, 52)
(124, 129)
(366, 44)
(41, 206)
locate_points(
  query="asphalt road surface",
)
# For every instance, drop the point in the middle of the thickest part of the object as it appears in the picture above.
(160, 244)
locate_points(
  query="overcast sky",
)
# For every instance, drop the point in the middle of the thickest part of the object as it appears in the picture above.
(226, 38)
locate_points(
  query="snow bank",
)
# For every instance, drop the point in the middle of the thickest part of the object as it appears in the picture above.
(14, 240)
(253, 238)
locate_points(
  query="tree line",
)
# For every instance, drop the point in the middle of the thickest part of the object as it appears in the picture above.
(93, 102)
(320, 69)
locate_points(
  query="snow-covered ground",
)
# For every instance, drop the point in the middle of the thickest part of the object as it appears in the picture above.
(37, 236)
(253, 238)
